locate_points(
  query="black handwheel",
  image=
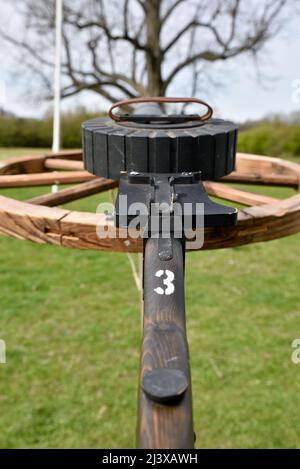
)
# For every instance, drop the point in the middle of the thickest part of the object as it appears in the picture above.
(174, 144)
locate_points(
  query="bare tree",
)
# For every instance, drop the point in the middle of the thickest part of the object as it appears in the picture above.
(125, 48)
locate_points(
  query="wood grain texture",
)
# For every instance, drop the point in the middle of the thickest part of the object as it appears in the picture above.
(267, 179)
(85, 189)
(35, 163)
(44, 179)
(224, 191)
(60, 163)
(257, 169)
(162, 425)
(26, 221)
(261, 222)
(78, 229)
(260, 164)
(22, 165)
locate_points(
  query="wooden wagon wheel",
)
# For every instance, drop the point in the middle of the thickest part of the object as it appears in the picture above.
(261, 217)
(130, 152)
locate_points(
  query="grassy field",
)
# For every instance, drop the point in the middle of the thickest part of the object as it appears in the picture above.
(70, 320)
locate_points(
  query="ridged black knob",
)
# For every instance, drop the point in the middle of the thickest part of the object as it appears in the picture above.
(111, 147)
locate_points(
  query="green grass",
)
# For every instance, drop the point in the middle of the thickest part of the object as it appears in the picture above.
(10, 152)
(70, 320)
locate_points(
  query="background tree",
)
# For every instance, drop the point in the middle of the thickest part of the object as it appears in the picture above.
(125, 48)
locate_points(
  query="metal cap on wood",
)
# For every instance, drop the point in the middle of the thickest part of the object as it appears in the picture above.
(161, 143)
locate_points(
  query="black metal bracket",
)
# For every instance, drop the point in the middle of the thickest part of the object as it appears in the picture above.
(151, 202)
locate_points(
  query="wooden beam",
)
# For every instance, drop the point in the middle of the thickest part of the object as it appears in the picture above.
(45, 179)
(26, 221)
(35, 163)
(164, 420)
(223, 191)
(98, 185)
(260, 223)
(79, 191)
(288, 180)
(59, 163)
(79, 229)
(249, 163)
(22, 164)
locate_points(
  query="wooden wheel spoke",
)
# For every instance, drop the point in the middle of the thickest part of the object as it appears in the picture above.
(79, 191)
(227, 192)
(45, 179)
(289, 180)
(36, 163)
(255, 169)
(60, 163)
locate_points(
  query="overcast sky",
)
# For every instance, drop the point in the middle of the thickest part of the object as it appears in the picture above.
(244, 96)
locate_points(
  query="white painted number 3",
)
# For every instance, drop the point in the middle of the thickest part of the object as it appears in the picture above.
(168, 282)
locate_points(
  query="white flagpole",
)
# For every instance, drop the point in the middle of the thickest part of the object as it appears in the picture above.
(57, 76)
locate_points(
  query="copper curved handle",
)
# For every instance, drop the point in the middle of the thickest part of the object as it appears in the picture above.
(160, 99)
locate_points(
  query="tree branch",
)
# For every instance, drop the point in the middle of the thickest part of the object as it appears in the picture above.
(170, 11)
(120, 41)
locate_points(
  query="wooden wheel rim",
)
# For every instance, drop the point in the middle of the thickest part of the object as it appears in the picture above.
(269, 220)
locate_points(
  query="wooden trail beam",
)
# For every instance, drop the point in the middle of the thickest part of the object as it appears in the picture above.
(85, 189)
(165, 417)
